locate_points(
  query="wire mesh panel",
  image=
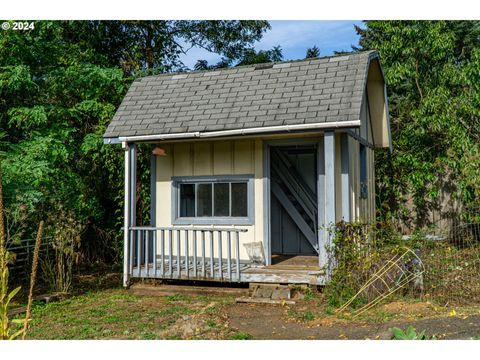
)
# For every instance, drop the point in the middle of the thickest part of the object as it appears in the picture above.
(452, 266)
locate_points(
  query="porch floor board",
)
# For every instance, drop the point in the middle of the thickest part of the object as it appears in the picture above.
(203, 270)
(292, 272)
(305, 262)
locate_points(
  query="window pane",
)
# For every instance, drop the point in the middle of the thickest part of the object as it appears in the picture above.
(221, 199)
(187, 200)
(204, 200)
(363, 172)
(239, 199)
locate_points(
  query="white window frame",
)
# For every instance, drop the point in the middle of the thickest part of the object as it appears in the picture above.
(212, 220)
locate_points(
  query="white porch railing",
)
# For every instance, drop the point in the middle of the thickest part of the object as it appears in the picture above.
(185, 253)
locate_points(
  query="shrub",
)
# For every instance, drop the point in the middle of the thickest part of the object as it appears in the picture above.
(409, 334)
(67, 231)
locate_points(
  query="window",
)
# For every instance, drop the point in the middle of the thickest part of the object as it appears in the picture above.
(363, 172)
(213, 200)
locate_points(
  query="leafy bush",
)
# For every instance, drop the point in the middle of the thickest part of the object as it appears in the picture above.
(409, 334)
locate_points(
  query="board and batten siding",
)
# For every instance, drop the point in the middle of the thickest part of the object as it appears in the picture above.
(245, 156)
(204, 158)
(361, 209)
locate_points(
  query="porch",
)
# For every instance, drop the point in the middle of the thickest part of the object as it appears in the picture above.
(281, 204)
(187, 253)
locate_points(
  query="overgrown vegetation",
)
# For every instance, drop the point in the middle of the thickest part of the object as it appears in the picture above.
(6, 296)
(432, 72)
(59, 87)
(357, 251)
(66, 243)
(448, 273)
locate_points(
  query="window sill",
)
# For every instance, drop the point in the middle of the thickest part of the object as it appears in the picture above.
(213, 221)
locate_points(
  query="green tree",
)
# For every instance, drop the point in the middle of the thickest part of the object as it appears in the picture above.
(156, 45)
(203, 65)
(59, 87)
(432, 71)
(250, 56)
(312, 52)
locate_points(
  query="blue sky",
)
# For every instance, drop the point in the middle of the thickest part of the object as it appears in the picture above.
(294, 37)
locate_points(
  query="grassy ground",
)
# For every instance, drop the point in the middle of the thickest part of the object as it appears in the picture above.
(101, 309)
(117, 314)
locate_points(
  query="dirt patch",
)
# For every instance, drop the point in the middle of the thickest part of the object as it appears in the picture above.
(415, 309)
(120, 314)
(277, 322)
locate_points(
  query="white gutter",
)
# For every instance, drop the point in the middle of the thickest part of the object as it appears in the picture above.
(257, 130)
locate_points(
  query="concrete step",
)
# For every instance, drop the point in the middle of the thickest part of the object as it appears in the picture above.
(270, 291)
(270, 294)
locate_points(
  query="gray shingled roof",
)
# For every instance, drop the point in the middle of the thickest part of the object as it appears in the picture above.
(327, 89)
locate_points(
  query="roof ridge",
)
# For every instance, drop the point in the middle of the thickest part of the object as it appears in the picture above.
(357, 53)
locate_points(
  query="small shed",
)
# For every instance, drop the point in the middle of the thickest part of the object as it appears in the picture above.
(251, 167)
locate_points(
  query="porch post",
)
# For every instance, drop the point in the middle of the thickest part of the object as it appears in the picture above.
(345, 179)
(153, 190)
(129, 206)
(329, 195)
(153, 206)
(321, 200)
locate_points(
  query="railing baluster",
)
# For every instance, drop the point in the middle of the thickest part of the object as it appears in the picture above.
(195, 253)
(220, 263)
(179, 264)
(143, 243)
(139, 253)
(204, 271)
(187, 261)
(229, 255)
(147, 257)
(162, 250)
(170, 253)
(237, 248)
(154, 233)
(212, 268)
(130, 260)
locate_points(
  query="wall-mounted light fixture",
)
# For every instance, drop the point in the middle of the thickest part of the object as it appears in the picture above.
(159, 151)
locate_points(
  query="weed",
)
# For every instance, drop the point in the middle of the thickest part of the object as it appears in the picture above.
(308, 316)
(149, 336)
(178, 297)
(409, 334)
(211, 323)
(240, 335)
(310, 294)
(301, 316)
(212, 310)
(97, 312)
(329, 310)
(111, 319)
(377, 316)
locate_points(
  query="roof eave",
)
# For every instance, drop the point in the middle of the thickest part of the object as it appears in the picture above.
(235, 132)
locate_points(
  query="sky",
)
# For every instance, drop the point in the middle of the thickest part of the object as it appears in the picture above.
(294, 37)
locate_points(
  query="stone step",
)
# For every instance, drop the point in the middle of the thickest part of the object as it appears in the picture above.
(270, 291)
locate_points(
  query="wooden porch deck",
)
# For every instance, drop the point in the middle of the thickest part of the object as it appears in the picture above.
(293, 270)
